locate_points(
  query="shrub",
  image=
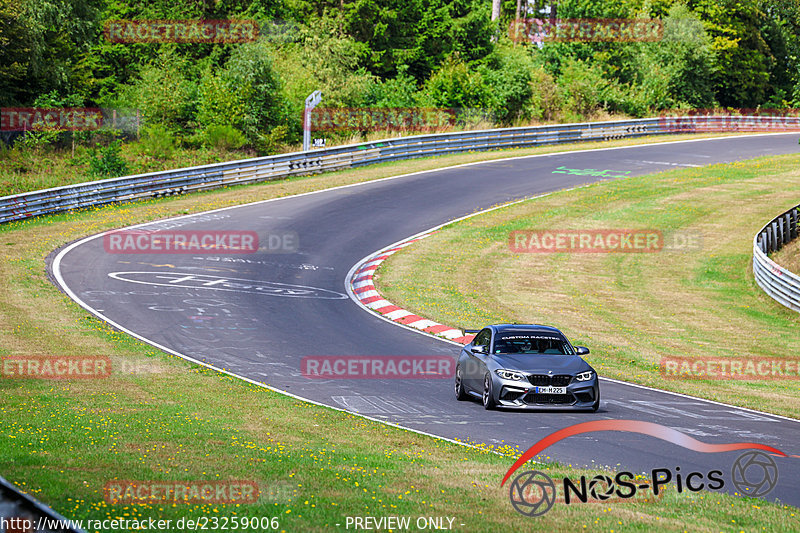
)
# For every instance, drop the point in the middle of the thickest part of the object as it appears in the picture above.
(31, 140)
(509, 75)
(250, 73)
(224, 137)
(107, 161)
(678, 71)
(220, 102)
(245, 96)
(163, 93)
(455, 85)
(157, 142)
(545, 100)
(396, 92)
(582, 88)
(271, 142)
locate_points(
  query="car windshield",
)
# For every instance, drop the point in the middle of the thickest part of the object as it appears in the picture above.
(532, 344)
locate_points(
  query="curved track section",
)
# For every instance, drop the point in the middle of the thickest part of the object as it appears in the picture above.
(281, 308)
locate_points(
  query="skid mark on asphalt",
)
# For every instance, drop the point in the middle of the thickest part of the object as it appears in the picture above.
(693, 410)
(661, 163)
(374, 404)
(400, 411)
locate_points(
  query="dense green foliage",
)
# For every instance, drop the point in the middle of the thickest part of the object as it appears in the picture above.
(389, 53)
(107, 161)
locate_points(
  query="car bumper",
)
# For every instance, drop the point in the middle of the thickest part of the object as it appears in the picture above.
(520, 395)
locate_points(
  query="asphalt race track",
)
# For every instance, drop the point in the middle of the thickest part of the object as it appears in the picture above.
(263, 334)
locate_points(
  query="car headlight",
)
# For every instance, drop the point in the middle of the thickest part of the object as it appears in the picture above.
(509, 374)
(585, 376)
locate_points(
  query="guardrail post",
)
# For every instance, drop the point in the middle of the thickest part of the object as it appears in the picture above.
(773, 236)
(786, 228)
(769, 240)
(793, 225)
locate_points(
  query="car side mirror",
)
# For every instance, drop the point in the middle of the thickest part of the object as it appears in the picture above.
(478, 349)
(581, 350)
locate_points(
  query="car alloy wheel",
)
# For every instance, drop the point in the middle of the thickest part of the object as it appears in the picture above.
(488, 397)
(461, 394)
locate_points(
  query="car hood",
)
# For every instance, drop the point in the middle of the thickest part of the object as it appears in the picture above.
(559, 364)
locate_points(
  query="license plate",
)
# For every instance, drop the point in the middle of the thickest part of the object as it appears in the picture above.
(550, 390)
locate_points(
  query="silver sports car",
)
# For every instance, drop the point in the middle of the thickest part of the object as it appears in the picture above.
(526, 366)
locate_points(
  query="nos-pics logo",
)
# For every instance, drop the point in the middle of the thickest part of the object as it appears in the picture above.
(533, 493)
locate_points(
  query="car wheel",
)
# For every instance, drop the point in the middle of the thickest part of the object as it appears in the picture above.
(488, 397)
(461, 394)
(596, 404)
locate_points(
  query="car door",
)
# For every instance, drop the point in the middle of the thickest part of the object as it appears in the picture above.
(476, 362)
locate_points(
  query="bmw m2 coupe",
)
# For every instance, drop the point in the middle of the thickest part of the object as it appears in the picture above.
(526, 367)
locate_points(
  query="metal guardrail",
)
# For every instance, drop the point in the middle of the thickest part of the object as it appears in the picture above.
(173, 182)
(20, 512)
(776, 281)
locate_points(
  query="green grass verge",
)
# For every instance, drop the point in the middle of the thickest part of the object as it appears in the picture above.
(63, 441)
(632, 310)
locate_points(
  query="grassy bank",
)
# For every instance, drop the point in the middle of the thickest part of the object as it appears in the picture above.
(170, 420)
(631, 309)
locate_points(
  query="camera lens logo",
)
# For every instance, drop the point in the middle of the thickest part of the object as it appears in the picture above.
(601, 487)
(755, 474)
(532, 493)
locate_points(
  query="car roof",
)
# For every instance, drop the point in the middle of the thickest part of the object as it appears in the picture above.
(524, 328)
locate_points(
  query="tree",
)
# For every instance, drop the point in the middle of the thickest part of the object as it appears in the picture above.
(677, 71)
(743, 59)
(418, 33)
(15, 40)
(47, 43)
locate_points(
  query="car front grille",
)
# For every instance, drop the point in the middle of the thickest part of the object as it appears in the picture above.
(533, 399)
(546, 380)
